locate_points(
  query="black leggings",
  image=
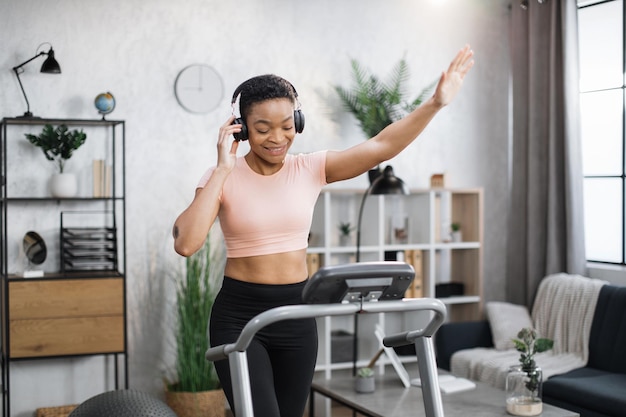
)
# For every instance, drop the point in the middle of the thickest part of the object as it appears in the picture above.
(282, 356)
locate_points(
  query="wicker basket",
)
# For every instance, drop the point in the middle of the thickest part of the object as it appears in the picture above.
(62, 411)
(195, 404)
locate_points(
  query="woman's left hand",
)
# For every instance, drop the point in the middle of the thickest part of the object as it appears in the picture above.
(452, 79)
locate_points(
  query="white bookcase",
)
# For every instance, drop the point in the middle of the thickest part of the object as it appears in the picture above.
(395, 227)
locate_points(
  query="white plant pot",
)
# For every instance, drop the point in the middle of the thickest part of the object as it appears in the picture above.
(63, 185)
(364, 385)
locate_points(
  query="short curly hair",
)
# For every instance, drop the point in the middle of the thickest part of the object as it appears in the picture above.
(261, 88)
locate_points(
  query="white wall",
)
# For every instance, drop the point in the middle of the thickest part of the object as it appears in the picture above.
(135, 49)
(614, 274)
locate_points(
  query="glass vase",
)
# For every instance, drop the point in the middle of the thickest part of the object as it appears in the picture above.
(523, 391)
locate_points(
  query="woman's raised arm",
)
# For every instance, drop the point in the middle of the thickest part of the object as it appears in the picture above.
(390, 141)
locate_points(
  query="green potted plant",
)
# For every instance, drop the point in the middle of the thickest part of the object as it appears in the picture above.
(364, 381)
(376, 103)
(345, 233)
(523, 382)
(455, 232)
(195, 389)
(58, 145)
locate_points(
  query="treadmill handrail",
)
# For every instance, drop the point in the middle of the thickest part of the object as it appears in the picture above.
(302, 311)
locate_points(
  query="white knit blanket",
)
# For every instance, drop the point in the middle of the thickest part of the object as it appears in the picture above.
(563, 311)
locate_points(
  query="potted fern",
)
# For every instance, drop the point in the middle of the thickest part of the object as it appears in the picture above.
(58, 145)
(196, 390)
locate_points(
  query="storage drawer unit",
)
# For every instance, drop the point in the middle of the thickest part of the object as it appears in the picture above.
(58, 317)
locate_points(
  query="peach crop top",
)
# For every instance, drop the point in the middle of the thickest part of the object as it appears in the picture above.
(266, 214)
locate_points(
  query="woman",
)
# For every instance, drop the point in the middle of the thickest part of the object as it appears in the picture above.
(265, 203)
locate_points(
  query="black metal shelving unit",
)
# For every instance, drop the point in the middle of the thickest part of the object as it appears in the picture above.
(115, 204)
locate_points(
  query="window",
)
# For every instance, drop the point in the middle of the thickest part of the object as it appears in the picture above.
(602, 101)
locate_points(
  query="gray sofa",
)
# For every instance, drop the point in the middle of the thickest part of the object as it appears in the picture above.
(595, 390)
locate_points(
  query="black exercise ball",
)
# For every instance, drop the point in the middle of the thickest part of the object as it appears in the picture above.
(123, 403)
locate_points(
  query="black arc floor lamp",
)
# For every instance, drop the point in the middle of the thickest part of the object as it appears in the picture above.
(49, 66)
(384, 183)
(381, 183)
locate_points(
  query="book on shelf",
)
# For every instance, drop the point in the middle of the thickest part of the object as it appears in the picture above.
(102, 178)
(414, 258)
(97, 178)
(107, 180)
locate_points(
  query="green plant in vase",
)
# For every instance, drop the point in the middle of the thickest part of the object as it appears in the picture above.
(365, 372)
(376, 103)
(523, 382)
(345, 228)
(345, 231)
(58, 144)
(528, 344)
(364, 382)
(455, 232)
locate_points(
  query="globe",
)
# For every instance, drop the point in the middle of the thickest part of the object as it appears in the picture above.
(105, 103)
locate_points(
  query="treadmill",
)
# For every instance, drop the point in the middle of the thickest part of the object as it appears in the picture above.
(358, 288)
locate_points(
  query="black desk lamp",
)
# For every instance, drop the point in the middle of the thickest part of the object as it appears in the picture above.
(49, 66)
(381, 183)
(384, 182)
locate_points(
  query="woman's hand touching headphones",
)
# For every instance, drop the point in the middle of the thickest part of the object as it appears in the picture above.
(227, 155)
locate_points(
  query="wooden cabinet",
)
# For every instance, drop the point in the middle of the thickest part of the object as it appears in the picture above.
(415, 228)
(60, 317)
(76, 306)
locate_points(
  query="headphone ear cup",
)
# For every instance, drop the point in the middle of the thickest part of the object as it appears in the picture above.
(298, 120)
(243, 135)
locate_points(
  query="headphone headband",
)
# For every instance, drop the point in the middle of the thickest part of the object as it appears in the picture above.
(243, 84)
(298, 117)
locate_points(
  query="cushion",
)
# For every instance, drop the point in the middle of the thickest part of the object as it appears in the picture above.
(454, 336)
(589, 388)
(506, 320)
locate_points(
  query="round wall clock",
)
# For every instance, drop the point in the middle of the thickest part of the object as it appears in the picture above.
(198, 88)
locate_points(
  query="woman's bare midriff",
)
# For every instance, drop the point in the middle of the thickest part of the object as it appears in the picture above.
(277, 268)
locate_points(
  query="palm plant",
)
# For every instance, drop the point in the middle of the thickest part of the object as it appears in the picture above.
(376, 103)
(195, 296)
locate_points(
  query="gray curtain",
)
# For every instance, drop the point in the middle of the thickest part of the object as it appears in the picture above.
(546, 225)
